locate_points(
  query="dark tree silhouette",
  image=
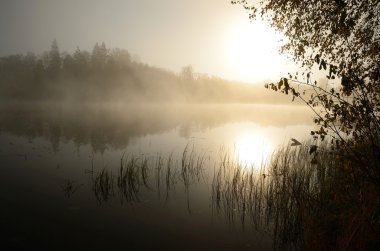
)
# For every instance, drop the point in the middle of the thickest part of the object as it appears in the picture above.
(54, 60)
(339, 38)
(111, 75)
(342, 38)
(99, 57)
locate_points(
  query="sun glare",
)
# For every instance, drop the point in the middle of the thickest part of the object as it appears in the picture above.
(252, 51)
(252, 150)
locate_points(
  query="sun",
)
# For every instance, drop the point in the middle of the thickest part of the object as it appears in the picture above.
(253, 150)
(252, 51)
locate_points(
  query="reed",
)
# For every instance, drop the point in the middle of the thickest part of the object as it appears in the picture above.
(103, 186)
(303, 200)
(69, 187)
(235, 191)
(170, 176)
(134, 174)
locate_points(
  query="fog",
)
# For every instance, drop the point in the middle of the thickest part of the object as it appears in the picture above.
(112, 76)
(95, 94)
(114, 126)
(213, 36)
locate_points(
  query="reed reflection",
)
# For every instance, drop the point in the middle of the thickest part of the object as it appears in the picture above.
(250, 197)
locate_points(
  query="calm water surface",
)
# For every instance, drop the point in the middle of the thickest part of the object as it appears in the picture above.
(60, 173)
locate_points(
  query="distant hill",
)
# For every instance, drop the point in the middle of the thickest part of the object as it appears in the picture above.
(111, 75)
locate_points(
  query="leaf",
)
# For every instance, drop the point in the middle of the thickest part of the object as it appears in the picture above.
(317, 58)
(280, 84)
(295, 142)
(287, 87)
(323, 64)
(313, 148)
(295, 94)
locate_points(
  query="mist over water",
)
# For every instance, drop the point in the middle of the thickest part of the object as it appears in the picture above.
(114, 126)
(63, 161)
(100, 150)
(189, 125)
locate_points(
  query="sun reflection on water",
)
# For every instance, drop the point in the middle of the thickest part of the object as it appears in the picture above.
(253, 149)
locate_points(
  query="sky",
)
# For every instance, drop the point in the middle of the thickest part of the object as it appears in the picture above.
(213, 36)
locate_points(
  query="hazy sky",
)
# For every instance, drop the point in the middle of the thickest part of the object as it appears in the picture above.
(213, 36)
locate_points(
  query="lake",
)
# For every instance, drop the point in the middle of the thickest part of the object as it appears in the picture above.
(133, 176)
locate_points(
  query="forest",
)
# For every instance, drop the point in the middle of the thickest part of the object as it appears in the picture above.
(113, 76)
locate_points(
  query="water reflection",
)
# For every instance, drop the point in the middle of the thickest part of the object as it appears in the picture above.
(114, 127)
(69, 187)
(129, 167)
(253, 149)
(157, 175)
(234, 191)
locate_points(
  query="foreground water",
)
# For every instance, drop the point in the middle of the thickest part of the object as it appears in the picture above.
(61, 174)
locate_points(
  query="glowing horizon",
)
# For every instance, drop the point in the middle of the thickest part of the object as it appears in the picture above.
(215, 37)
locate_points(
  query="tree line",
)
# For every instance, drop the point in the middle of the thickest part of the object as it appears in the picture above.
(111, 75)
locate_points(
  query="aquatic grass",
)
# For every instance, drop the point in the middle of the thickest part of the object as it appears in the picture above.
(302, 198)
(103, 186)
(235, 192)
(144, 171)
(69, 187)
(186, 165)
(133, 176)
(130, 177)
(277, 194)
(158, 169)
(170, 176)
(305, 199)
